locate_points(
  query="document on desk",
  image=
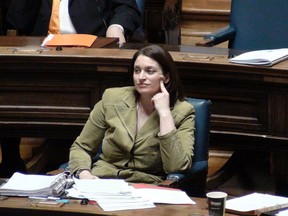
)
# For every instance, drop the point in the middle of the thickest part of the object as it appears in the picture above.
(255, 204)
(34, 185)
(116, 194)
(163, 195)
(110, 194)
(261, 57)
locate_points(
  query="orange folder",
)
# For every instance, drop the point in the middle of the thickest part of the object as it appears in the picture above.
(78, 40)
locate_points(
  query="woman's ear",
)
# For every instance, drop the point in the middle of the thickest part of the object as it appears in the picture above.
(166, 79)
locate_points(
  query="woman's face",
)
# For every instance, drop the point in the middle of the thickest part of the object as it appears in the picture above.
(147, 75)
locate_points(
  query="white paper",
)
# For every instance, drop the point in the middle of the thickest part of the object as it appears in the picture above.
(255, 201)
(24, 182)
(102, 186)
(165, 196)
(110, 194)
(116, 194)
(48, 38)
(282, 213)
(261, 57)
(33, 185)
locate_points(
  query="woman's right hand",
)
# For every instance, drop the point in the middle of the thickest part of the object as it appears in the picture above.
(86, 174)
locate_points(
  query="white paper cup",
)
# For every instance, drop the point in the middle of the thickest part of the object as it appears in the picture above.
(216, 203)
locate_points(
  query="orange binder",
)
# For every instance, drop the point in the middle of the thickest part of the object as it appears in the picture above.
(76, 40)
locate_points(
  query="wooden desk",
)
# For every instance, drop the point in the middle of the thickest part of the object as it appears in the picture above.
(21, 206)
(20, 41)
(50, 94)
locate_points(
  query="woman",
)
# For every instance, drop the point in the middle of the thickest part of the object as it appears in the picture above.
(146, 131)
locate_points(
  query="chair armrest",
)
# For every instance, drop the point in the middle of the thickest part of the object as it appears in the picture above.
(172, 180)
(225, 34)
(196, 170)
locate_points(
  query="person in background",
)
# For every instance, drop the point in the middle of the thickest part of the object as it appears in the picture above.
(110, 18)
(145, 131)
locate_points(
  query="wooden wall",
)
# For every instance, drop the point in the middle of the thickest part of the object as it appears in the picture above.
(200, 17)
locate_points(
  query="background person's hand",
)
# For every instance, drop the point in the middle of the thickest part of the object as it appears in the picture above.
(116, 31)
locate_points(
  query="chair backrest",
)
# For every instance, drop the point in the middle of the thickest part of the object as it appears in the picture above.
(202, 125)
(259, 24)
(194, 182)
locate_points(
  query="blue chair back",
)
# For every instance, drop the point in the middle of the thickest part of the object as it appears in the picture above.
(194, 181)
(202, 124)
(259, 24)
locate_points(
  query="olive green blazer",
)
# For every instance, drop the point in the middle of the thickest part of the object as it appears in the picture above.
(136, 157)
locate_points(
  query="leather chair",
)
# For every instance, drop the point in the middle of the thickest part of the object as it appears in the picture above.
(194, 181)
(254, 25)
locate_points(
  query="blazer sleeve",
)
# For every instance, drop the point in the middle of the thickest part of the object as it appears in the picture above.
(90, 139)
(126, 14)
(22, 15)
(177, 146)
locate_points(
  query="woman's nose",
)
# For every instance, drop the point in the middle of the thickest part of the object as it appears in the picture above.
(142, 75)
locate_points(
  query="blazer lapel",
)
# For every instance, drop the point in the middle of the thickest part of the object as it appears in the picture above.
(127, 114)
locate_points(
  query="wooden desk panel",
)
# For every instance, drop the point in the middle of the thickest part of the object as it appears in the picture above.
(246, 100)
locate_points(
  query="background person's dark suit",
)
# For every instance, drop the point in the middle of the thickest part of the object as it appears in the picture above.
(31, 17)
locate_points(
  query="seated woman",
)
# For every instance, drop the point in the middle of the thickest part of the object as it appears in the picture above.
(146, 131)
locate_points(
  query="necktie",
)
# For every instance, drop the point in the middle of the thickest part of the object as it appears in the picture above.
(54, 25)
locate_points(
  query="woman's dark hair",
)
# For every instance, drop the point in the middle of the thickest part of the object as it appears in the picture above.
(168, 66)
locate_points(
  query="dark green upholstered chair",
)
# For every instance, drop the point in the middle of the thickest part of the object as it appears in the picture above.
(194, 181)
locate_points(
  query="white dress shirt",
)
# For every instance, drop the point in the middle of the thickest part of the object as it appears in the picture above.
(66, 25)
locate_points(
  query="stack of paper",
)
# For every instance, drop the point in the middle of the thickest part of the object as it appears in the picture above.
(34, 185)
(116, 194)
(110, 194)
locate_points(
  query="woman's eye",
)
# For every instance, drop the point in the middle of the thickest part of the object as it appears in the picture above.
(150, 71)
(137, 71)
